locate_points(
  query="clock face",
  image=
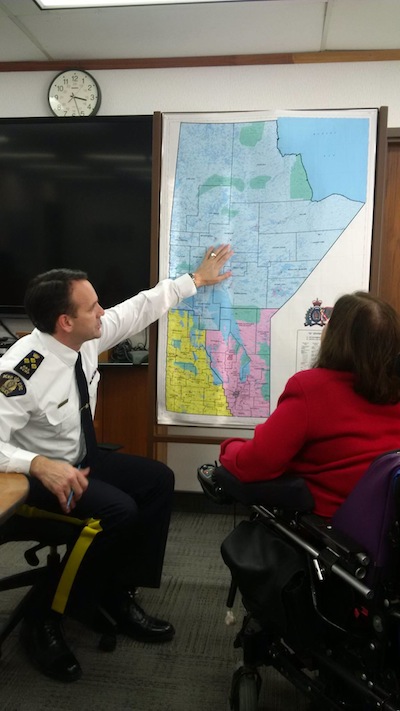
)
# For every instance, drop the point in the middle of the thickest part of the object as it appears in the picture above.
(74, 93)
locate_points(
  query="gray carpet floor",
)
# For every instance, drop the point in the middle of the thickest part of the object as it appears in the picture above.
(191, 673)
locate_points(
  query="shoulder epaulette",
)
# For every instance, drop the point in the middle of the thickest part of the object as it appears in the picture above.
(29, 364)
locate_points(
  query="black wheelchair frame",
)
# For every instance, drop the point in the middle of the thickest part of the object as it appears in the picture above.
(341, 643)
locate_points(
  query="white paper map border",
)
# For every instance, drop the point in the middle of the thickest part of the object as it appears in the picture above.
(292, 192)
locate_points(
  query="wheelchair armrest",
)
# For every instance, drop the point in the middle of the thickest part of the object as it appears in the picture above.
(331, 549)
(285, 492)
(343, 545)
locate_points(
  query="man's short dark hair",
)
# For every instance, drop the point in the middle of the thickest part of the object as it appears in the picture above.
(49, 295)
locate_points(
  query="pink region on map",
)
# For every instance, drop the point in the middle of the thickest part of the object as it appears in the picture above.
(244, 365)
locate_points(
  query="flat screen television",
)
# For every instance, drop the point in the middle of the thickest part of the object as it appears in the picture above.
(75, 193)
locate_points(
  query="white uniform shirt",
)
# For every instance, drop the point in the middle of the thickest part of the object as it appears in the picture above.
(39, 399)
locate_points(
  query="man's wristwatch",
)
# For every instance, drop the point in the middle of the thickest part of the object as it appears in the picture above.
(193, 278)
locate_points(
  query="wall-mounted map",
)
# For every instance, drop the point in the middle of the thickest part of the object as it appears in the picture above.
(292, 192)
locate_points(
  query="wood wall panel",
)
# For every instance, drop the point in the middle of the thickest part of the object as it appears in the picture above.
(121, 413)
(231, 60)
(389, 282)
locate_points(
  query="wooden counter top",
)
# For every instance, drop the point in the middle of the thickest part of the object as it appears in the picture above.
(13, 492)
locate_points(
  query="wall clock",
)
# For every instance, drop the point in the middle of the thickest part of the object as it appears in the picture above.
(74, 92)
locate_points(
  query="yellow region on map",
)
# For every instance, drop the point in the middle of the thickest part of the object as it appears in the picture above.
(189, 385)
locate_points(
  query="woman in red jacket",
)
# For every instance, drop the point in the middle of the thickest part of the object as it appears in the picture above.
(331, 421)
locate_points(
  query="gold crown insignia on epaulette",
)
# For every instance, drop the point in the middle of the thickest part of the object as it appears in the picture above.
(29, 364)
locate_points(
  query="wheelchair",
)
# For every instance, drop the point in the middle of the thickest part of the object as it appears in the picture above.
(321, 597)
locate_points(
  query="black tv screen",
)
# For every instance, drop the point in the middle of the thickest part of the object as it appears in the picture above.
(75, 193)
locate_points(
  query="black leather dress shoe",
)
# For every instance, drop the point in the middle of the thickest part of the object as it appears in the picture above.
(47, 649)
(134, 622)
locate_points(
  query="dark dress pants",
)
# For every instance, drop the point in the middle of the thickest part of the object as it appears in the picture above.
(131, 497)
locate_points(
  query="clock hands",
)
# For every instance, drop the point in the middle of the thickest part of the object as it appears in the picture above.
(80, 98)
(73, 97)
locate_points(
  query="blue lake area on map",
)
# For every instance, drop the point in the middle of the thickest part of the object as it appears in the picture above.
(281, 192)
(334, 153)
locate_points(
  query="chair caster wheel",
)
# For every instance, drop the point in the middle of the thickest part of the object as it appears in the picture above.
(107, 642)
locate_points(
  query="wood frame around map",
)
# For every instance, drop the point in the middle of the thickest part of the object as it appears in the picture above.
(160, 435)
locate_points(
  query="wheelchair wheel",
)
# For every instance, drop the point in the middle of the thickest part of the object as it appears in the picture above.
(245, 689)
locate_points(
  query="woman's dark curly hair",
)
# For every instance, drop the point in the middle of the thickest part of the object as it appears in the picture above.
(363, 337)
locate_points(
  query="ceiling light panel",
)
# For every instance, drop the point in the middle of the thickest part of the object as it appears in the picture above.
(80, 4)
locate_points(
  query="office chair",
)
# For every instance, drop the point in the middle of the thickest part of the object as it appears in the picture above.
(51, 534)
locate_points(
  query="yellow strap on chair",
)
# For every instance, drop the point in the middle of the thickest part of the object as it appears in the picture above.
(90, 529)
(76, 556)
(33, 512)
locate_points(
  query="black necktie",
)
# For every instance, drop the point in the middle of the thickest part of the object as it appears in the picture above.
(86, 414)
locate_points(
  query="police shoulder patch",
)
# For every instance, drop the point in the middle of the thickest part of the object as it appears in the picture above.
(11, 385)
(29, 365)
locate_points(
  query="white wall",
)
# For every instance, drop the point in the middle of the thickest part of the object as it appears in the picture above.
(244, 88)
(142, 91)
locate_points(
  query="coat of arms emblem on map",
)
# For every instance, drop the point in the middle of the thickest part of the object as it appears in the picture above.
(317, 315)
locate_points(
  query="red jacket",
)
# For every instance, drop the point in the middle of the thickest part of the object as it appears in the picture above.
(321, 430)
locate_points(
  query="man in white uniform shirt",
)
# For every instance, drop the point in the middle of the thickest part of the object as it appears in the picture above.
(121, 503)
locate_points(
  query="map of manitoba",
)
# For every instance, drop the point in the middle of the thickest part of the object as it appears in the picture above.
(283, 191)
